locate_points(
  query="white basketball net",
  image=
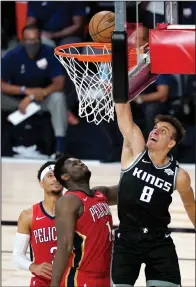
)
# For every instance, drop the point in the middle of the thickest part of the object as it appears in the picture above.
(92, 81)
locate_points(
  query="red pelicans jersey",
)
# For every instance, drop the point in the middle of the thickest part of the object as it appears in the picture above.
(90, 259)
(43, 240)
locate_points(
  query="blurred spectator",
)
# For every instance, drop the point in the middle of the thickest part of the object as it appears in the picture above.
(113, 141)
(61, 22)
(31, 72)
(187, 12)
(153, 13)
(153, 97)
(152, 100)
(142, 35)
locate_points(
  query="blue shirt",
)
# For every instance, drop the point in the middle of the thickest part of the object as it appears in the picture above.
(161, 80)
(18, 69)
(54, 16)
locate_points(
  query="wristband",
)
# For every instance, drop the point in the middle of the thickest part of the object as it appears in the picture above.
(22, 90)
(32, 97)
(139, 100)
(45, 93)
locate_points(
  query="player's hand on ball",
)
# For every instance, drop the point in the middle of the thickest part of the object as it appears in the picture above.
(23, 104)
(44, 270)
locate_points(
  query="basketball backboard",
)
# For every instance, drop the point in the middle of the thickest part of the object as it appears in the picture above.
(179, 42)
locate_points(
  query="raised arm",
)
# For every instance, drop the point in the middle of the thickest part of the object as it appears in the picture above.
(133, 138)
(31, 15)
(74, 29)
(111, 192)
(78, 22)
(183, 186)
(67, 210)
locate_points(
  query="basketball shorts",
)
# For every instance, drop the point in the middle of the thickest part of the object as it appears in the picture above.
(76, 278)
(159, 256)
(39, 282)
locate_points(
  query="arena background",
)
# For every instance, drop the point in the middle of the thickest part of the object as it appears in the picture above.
(99, 146)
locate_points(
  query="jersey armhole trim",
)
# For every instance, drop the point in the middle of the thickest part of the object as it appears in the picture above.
(134, 162)
(175, 177)
(34, 207)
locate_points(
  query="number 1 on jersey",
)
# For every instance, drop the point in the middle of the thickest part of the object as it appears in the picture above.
(147, 194)
(110, 230)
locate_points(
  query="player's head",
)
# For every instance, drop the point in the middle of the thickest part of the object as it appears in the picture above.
(167, 132)
(31, 39)
(47, 179)
(71, 170)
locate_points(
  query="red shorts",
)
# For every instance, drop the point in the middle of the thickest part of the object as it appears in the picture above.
(39, 282)
(76, 278)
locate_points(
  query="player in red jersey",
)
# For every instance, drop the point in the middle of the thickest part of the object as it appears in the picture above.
(84, 228)
(36, 226)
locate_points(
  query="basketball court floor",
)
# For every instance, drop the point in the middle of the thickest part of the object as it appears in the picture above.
(20, 189)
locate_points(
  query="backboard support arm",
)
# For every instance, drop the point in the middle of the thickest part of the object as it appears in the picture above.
(171, 12)
(120, 82)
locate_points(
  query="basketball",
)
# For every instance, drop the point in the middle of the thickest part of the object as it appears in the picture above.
(101, 26)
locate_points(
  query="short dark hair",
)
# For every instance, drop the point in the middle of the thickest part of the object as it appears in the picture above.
(48, 163)
(30, 27)
(180, 131)
(60, 169)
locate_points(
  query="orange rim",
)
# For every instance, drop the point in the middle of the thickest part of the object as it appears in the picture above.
(85, 58)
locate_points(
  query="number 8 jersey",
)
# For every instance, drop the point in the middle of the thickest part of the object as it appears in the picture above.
(43, 240)
(145, 193)
(92, 248)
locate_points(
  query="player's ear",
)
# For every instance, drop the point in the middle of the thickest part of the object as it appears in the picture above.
(171, 144)
(41, 183)
(65, 176)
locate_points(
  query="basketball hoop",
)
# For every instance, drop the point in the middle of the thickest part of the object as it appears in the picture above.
(89, 67)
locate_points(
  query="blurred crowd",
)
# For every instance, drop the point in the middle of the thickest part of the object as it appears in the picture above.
(30, 72)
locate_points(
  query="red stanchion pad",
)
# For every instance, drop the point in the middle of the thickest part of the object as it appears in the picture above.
(173, 49)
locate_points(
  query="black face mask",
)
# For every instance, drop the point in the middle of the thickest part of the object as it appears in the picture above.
(32, 49)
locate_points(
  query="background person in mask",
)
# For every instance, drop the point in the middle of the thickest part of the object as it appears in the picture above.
(30, 72)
